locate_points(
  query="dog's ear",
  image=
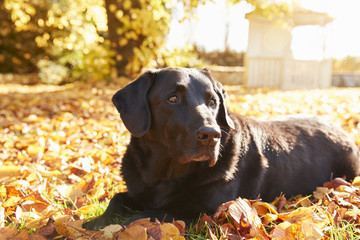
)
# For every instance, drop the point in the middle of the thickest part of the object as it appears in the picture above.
(223, 118)
(132, 104)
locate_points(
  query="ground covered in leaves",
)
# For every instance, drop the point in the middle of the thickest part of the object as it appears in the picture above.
(61, 148)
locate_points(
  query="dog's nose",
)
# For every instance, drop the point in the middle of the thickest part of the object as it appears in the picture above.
(208, 136)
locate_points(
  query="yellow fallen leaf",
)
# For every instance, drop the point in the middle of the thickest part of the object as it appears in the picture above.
(304, 202)
(63, 230)
(263, 208)
(268, 218)
(356, 181)
(2, 217)
(11, 201)
(86, 209)
(34, 149)
(310, 231)
(67, 227)
(309, 214)
(9, 171)
(285, 231)
(50, 174)
(42, 220)
(170, 232)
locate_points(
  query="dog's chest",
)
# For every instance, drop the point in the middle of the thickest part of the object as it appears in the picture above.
(163, 193)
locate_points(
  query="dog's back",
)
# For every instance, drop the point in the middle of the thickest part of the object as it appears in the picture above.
(297, 154)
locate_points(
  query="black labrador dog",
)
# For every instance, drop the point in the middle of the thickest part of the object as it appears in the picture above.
(188, 153)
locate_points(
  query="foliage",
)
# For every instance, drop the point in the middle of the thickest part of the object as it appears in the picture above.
(65, 32)
(61, 151)
(222, 58)
(18, 30)
(89, 37)
(51, 72)
(348, 64)
(185, 57)
(273, 9)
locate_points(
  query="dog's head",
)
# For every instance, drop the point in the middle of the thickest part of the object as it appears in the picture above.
(181, 109)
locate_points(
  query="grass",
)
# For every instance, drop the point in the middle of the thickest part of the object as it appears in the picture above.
(345, 231)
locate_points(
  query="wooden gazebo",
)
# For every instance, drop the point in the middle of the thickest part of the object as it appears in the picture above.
(269, 61)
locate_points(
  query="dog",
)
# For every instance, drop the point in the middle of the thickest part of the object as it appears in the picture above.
(188, 154)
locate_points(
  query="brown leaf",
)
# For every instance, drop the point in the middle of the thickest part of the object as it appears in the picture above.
(8, 232)
(263, 208)
(47, 231)
(154, 231)
(281, 203)
(111, 229)
(36, 236)
(23, 235)
(12, 192)
(206, 219)
(35, 200)
(132, 232)
(336, 183)
(180, 225)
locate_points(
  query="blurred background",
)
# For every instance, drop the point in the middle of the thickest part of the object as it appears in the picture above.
(276, 44)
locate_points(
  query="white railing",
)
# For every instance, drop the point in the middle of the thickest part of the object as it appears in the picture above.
(287, 73)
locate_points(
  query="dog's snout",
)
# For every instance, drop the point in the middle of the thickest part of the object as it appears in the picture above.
(208, 136)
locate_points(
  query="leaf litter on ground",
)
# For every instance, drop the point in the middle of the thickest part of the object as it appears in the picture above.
(61, 149)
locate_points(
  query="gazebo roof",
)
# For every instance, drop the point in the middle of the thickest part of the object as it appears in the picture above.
(300, 16)
(304, 16)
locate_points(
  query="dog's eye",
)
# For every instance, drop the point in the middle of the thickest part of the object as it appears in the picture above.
(212, 103)
(173, 99)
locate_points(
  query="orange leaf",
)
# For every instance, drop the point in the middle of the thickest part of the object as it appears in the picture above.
(132, 232)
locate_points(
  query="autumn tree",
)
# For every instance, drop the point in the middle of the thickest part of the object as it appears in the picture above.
(138, 29)
(68, 33)
(19, 52)
(83, 39)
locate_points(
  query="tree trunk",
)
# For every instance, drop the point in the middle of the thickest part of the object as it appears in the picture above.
(117, 31)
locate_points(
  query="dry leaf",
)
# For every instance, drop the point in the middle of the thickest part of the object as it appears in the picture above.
(111, 229)
(9, 171)
(170, 232)
(132, 232)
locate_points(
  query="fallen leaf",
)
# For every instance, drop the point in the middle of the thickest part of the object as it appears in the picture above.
(9, 171)
(132, 232)
(283, 231)
(309, 214)
(321, 192)
(311, 231)
(22, 235)
(8, 232)
(336, 183)
(170, 232)
(263, 208)
(110, 230)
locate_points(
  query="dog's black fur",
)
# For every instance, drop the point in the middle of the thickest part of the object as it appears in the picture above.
(188, 154)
